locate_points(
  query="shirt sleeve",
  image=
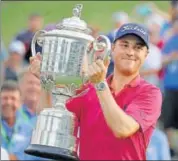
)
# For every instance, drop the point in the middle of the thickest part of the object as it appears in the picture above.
(146, 107)
(76, 103)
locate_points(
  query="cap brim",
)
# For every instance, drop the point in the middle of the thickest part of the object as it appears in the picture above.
(131, 33)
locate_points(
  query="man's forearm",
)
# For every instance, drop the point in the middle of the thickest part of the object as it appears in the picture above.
(121, 124)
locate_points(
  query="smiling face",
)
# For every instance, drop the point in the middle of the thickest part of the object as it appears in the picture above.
(129, 53)
(10, 102)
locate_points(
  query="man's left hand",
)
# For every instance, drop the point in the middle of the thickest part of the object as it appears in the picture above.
(97, 70)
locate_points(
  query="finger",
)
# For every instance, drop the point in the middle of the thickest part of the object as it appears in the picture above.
(32, 59)
(39, 56)
(36, 63)
(35, 70)
(35, 67)
(100, 63)
(91, 71)
(96, 68)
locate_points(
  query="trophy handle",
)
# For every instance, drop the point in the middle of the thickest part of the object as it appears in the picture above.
(101, 48)
(37, 40)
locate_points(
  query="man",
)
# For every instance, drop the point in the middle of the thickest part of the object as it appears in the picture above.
(15, 133)
(31, 93)
(154, 23)
(158, 148)
(3, 55)
(15, 61)
(117, 116)
(170, 105)
(152, 64)
(35, 23)
(166, 32)
(118, 18)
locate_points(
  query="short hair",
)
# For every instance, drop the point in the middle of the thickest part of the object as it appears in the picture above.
(34, 15)
(10, 85)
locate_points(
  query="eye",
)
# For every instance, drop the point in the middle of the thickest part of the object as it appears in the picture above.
(138, 47)
(124, 45)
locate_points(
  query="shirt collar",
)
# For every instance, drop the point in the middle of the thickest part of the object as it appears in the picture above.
(6, 126)
(133, 83)
(4, 123)
(27, 111)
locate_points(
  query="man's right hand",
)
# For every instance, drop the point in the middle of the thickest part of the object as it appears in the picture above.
(35, 65)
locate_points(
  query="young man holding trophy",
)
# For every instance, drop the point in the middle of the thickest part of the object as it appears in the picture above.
(118, 114)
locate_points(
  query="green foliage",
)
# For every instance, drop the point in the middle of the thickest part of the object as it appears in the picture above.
(15, 13)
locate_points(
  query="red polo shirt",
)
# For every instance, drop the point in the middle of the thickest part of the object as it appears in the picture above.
(139, 99)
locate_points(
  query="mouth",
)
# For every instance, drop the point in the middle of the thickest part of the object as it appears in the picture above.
(129, 59)
(7, 108)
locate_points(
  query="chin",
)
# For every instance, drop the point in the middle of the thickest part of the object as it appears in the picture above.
(127, 72)
(33, 99)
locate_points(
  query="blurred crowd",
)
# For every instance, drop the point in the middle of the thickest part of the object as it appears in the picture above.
(22, 96)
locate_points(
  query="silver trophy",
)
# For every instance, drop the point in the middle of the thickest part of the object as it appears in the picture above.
(63, 51)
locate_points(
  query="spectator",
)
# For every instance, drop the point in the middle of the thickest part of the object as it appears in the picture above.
(170, 104)
(31, 93)
(119, 18)
(158, 148)
(3, 55)
(35, 23)
(14, 132)
(166, 32)
(152, 65)
(154, 23)
(153, 62)
(15, 60)
(94, 30)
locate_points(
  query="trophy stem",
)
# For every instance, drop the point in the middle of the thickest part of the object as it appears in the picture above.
(59, 140)
(59, 98)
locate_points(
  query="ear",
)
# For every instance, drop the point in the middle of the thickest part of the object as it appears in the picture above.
(112, 47)
(146, 54)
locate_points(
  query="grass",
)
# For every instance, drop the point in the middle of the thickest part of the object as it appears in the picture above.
(15, 13)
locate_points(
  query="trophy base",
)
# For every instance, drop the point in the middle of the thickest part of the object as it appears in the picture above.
(50, 152)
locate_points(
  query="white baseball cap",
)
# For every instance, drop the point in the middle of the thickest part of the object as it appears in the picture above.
(17, 46)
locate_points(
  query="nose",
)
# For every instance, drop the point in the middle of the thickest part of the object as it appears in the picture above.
(130, 53)
(9, 101)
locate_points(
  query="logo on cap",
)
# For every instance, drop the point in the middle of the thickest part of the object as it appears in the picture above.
(133, 28)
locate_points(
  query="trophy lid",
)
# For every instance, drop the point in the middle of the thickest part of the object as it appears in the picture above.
(74, 23)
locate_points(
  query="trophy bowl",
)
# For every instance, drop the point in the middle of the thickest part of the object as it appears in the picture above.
(63, 53)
